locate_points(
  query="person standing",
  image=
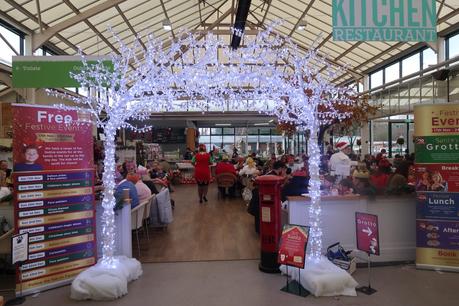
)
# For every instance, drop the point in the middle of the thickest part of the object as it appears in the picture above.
(340, 159)
(201, 161)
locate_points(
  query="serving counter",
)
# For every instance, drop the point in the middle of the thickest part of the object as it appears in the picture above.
(396, 216)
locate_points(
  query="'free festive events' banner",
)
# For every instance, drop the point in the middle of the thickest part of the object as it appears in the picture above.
(437, 185)
(54, 194)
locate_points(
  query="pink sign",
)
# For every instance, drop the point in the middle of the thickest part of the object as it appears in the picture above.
(366, 226)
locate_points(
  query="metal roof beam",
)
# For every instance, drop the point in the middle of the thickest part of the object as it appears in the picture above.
(35, 19)
(130, 26)
(39, 39)
(302, 16)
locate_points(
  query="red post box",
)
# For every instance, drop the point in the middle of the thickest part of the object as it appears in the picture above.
(270, 221)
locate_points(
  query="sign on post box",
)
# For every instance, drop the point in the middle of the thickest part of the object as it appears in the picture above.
(270, 221)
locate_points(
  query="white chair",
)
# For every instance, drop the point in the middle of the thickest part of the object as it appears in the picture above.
(137, 214)
(146, 215)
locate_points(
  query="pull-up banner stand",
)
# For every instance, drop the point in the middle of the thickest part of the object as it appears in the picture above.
(367, 232)
(54, 195)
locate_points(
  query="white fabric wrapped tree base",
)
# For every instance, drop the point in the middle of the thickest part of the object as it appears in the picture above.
(102, 282)
(323, 278)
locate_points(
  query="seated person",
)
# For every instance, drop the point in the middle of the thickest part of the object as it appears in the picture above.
(398, 182)
(143, 192)
(278, 168)
(346, 187)
(146, 179)
(126, 184)
(362, 185)
(296, 186)
(224, 166)
(159, 175)
(250, 168)
(328, 182)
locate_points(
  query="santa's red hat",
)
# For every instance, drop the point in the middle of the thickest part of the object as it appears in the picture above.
(342, 145)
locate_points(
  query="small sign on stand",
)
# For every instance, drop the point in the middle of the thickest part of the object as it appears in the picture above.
(292, 252)
(19, 254)
(367, 232)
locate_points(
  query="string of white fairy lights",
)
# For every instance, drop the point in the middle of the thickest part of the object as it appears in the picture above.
(145, 81)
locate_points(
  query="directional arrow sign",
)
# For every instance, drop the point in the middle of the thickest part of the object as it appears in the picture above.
(367, 230)
(367, 233)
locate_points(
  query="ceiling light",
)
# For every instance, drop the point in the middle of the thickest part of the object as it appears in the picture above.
(258, 124)
(302, 25)
(222, 124)
(271, 121)
(167, 25)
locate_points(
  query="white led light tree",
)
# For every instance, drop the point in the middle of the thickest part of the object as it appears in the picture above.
(312, 102)
(129, 89)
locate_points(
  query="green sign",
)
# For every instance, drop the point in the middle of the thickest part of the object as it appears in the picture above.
(47, 71)
(384, 20)
(437, 149)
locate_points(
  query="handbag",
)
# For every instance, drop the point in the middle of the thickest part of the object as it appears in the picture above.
(247, 194)
(336, 251)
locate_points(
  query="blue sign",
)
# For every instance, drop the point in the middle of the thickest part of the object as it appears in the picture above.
(436, 205)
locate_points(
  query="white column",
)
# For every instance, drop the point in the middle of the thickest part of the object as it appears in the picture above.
(30, 92)
(365, 138)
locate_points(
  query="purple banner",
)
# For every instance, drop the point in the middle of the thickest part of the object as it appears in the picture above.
(58, 227)
(437, 234)
(62, 201)
(437, 205)
(88, 246)
(87, 175)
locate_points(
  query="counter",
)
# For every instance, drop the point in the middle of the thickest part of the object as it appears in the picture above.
(396, 216)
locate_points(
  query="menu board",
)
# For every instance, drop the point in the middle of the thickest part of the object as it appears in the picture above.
(437, 186)
(54, 194)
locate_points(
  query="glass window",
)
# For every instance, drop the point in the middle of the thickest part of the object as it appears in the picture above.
(6, 52)
(216, 131)
(204, 131)
(379, 136)
(228, 131)
(411, 64)
(453, 46)
(392, 72)
(241, 131)
(39, 52)
(252, 131)
(216, 141)
(376, 79)
(253, 144)
(204, 139)
(429, 57)
(265, 131)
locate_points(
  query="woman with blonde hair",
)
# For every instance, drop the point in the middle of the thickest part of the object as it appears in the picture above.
(250, 168)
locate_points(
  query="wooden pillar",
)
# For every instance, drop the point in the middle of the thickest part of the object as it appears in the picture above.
(190, 138)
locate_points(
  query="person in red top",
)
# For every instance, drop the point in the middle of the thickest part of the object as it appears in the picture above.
(225, 167)
(201, 161)
(380, 178)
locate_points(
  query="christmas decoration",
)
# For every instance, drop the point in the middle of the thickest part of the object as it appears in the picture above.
(153, 80)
